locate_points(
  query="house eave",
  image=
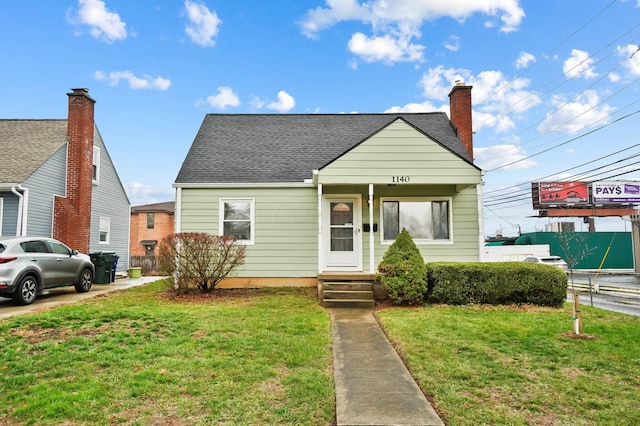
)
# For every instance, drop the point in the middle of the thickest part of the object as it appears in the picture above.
(203, 185)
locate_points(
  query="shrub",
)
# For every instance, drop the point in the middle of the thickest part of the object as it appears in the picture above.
(402, 272)
(197, 260)
(496, 283)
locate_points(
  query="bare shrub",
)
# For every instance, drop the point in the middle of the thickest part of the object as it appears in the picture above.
(197, 260)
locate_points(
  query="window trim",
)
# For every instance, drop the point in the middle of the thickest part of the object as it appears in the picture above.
(418, 242)
(252, 207)
(95, 165)
(106, 220)
(151, 220)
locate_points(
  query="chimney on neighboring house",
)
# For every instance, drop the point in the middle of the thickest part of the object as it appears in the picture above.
(460, 107)
(72, 214)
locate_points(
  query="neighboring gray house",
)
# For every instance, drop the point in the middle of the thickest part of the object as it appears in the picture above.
(57, 180)
(314, 195)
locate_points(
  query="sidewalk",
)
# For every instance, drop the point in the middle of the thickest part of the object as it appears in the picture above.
(65, 295)
(373, 386)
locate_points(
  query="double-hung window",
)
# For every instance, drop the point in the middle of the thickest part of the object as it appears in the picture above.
(237, 219)
(95, 167)
(105, 230)
(428, 220)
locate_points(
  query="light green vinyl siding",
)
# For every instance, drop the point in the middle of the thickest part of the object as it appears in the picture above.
(286, 227)
(399, 150)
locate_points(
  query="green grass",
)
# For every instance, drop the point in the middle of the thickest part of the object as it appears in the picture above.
(521, 366)
(263, 357)
(140, 358)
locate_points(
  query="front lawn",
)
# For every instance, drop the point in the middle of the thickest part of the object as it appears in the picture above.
(521, 366)
(139, 357)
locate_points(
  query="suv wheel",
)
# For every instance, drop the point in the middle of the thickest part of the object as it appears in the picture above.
(26, 291)
(86, 280)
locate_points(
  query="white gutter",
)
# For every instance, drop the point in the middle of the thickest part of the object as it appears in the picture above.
(21, 222)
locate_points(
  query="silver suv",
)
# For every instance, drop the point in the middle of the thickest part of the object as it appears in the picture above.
(29, 265)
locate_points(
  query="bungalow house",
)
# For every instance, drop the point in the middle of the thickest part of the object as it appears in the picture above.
(57, 180)
(316, 196)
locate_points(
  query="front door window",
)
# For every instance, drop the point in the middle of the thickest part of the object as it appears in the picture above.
(341, 226)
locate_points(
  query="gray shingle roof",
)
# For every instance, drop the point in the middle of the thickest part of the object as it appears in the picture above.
(270, 148)
(27, 144)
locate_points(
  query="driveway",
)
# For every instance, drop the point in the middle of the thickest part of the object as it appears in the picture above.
(65, 295)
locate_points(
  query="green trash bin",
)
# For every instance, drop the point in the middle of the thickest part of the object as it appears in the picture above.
(103, 262)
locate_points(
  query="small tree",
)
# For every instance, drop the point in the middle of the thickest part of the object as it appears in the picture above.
(402, 271)
(197, 260)
(574, 249)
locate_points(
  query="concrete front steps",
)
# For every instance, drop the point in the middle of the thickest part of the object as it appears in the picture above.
(346, 290)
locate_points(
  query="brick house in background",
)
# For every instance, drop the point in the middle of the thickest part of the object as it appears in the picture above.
(150, 224)
(57, 180)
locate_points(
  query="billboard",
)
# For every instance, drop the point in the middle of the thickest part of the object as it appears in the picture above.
(615, 192)
(563, 193)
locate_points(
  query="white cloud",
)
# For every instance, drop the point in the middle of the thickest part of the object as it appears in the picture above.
(632, 52)
(491, 157)
(580, 113)
(285, 102)
(225, 98)
(203, 24)
(495, 98)
(140, 194)
(417, 107)
(104, 25)
(386, 49)
(579, 64)
(135, 83)
(524, 60)
(452, 43)
(400, 20)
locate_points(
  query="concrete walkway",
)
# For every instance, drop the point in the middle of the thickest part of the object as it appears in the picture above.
(373, 386)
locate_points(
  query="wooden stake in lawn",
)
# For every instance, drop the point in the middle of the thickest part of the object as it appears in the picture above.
(577, 317)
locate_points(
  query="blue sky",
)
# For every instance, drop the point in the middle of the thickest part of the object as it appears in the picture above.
(556, 93)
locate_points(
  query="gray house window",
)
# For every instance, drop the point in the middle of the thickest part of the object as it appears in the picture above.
(96, 165)
(105, 230)
(426, 220)
(151, 217)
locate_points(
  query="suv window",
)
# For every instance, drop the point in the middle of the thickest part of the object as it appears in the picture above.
(37, 246)
(58, 248)
(2, 248)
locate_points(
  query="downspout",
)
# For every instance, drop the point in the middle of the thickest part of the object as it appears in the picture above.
(320, 242)
(177, 215)
(371, 237)
(20, 222)
(480, 222)
(178, 211)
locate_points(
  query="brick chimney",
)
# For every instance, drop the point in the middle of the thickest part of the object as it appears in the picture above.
(72, 214)
(460, 108)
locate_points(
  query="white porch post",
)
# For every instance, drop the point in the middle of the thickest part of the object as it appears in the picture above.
(371, 236)
(320, 242)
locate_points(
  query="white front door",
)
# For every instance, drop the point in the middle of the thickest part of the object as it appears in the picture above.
(342, 230)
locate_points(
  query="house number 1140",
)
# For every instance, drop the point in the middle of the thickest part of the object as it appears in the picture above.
(400, 179)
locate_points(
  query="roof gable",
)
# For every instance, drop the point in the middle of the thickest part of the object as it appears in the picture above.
(400, 150)
(27, 144)
(269, 148)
